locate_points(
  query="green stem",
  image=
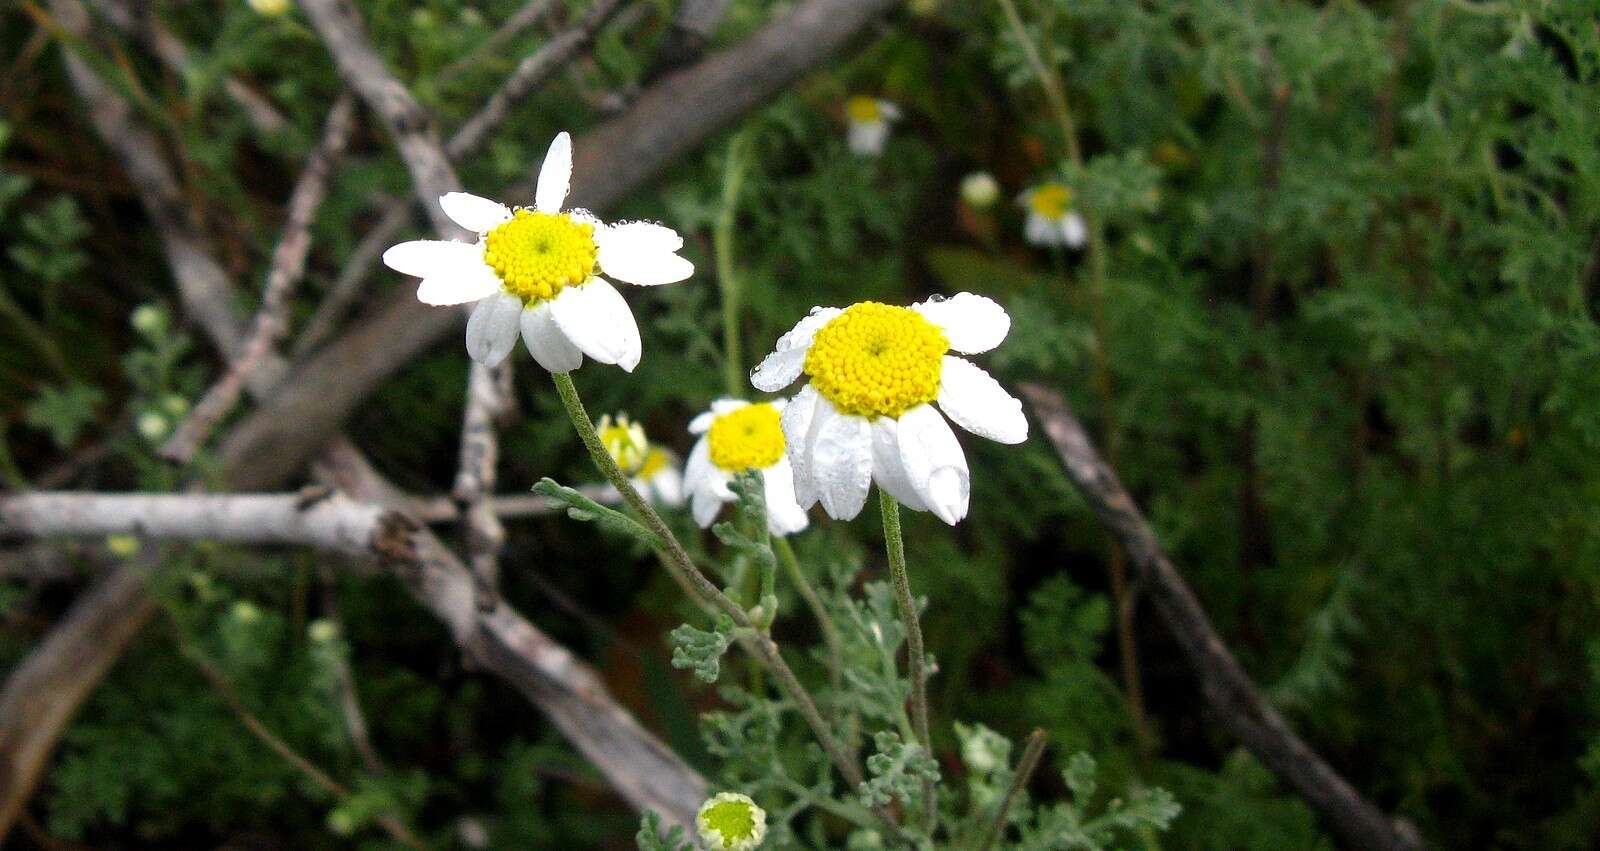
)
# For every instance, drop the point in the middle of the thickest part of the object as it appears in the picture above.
(722, 245)
(894, 543)
(1019, 780)
(677, 560)
(830, 632)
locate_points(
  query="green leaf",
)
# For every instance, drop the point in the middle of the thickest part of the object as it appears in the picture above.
(64, 411)
(650, 838)
(898, 770)
(580, 507)
(701, 651)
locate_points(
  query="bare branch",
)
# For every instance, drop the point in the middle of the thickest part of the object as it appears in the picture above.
(47, 687)
(1227, 689)
(474, 485)
(287, 268)
(329, 523)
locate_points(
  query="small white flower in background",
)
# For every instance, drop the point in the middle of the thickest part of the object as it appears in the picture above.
(271, 8)
(730, 821)
(1051, 219)
(867, 412)
(868, 119)
(152, 426)
(737, 436)
(651, 469)
(537, 271)
(980, 190)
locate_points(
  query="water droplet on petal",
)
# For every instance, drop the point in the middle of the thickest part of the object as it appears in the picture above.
(937, 297)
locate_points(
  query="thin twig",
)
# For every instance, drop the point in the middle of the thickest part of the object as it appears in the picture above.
(287, 267)
(344, 682)
(390, 823)
(1031, 753)
(531, 15)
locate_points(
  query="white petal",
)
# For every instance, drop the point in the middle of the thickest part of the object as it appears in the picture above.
(977, 403)
(972, 323)
(458, 286)
(637, 238)
(698, 467)
(796, 420)
(1074, 230)
(934, 463)
(779, 369)
(597, 320)
(705, 506)
(546, 342)
(479, 215)
(887, 468)
(867, 138)
(554, 176)
(889, 109)
(841, 458)
(784, 514)
(645, 270)
(1041, 231)
(702, 422)
(669, 486)
(423, 258)
(492, 328)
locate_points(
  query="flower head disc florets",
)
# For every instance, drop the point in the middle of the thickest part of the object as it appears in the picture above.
(863, 109)
(625, 442)
(877, 360)
(748, 438)
(536, 255)
(1050, 200)
(732, 822)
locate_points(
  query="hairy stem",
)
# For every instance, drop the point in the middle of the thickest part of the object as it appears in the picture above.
(830, 632)
(916, 659)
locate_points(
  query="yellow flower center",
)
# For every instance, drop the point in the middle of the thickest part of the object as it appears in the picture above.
(863, 109)
(749, 438)
(877, 360)
(1050, 200)
(732, 822)
(655, 460)
(624, 440)
(536, 254)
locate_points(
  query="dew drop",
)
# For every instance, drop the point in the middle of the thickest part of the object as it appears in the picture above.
(937, 297)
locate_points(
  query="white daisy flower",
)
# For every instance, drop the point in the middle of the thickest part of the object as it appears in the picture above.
(868, 119)
(651, 469)
(730, 821)
(738, 436)
(1051, 219)
(537, 270)
(867, 413)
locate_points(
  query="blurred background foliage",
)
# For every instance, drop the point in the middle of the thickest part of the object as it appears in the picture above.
(1349, 326)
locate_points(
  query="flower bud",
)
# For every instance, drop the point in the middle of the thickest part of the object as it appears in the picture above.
(979, 189)
(731, 822)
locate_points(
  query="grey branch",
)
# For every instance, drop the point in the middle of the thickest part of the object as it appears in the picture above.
(668, 121)
(48, 686)
(287, 268)
(331, 523)
(1228, 690)
(487, 398)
